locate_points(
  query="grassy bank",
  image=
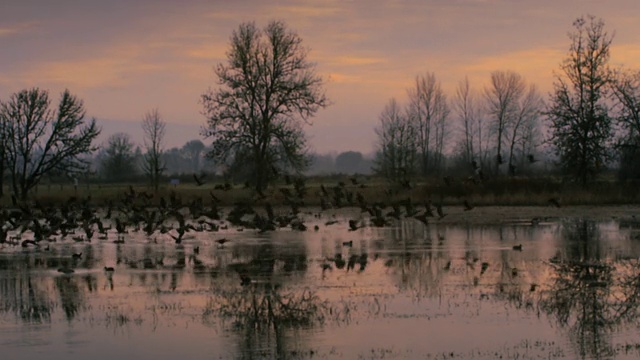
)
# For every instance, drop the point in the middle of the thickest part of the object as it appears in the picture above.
(507, 191)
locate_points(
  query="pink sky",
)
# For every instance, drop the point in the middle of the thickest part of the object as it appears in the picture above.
(124, 58)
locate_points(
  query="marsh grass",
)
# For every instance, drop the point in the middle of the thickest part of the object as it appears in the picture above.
(267, 308)
(502, 191)
(116, 318)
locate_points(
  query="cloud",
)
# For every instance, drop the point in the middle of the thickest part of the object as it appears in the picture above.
(115, 67)
(317, 10)
(19, 28)
(627, 55)
(535, 64)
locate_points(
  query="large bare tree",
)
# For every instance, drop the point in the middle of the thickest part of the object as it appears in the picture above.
(154, 132)
(626, 90)
(466, 107)
(39, 140)
(502, 97)
(523, 126)
(267, 91)
(578, 111)
(429, 110)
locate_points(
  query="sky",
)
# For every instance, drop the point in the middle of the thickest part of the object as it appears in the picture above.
(126, 57)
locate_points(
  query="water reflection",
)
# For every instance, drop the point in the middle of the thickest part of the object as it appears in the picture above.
(265, 317)
(590, 295)
(283, 294)
(25, 296)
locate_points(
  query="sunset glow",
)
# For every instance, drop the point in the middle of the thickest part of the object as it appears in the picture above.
(125, 58)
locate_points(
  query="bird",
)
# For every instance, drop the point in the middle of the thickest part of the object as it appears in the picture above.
(109, 269)
(353, 225)
(222, 241)
(198, 180)
(66, 270)
(422, 218)
(339, 261)
(76, 256)
(347, 243)
(245, 280)
(325, 266)
(485, 265)
(531, 158)
(517, 247)
(467, 206)
(555, 202)
(441, 214)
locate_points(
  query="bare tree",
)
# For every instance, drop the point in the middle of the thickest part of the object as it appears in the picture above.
(397, 146)
(473, 128)
(154, 131)
(578, 112)
(626, 91)
(3, 145)
(502, 98)
(40, 140)
(429, 109)
(268, 91)
(524, 123)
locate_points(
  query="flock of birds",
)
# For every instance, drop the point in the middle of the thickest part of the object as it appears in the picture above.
(34, 225)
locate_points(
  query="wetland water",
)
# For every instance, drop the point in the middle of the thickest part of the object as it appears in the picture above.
(407, 290)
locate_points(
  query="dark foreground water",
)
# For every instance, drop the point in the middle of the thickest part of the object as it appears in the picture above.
(404, 291)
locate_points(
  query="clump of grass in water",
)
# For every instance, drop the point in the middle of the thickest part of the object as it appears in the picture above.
(118, 318)
(268, 307)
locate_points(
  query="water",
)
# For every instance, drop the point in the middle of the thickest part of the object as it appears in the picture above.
(413, 291)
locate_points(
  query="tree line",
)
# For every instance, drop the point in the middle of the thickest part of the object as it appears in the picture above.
(267, 91)
(590, 120)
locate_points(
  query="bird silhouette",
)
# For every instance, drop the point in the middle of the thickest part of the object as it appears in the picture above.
(245, 280)
(441, 213)
(199, 180)
(467, 206)
(353, 225)
(222, 241)
(484, 267)
(555, 202)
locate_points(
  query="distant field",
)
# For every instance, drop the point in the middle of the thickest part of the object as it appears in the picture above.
(506, 192)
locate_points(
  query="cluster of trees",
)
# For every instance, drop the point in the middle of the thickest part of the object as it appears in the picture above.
(41, 141)
(268, 91)
(499, 126)
(122, 160)
(591, 117)
(38, 140)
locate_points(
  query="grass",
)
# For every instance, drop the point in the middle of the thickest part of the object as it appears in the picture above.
(503, 191)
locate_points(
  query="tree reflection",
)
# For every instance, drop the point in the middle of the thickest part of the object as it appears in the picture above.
(264, 316)
(23, 295)
(71, 296)
(589, 295)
